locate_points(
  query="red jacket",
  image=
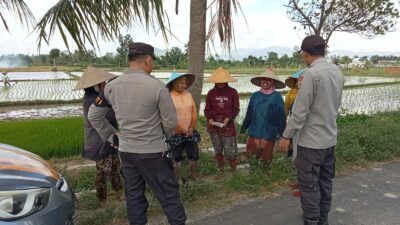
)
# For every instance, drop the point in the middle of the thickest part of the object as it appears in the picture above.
(222, 103)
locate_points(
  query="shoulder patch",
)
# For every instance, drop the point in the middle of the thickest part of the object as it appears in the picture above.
(101, 101)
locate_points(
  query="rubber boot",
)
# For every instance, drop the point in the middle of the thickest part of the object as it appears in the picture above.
(220, 162)
(193, 167)
(232, 165)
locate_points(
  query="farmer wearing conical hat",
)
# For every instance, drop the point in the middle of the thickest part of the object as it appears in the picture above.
(108, 165)
(265, 117)
(290, 97)
(222, 107)
(185, 137)
(6, 80)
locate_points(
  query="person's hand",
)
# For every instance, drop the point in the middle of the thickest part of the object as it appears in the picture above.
(226, 121)
(189, 132)
(242, 135)
(211, 122)
(283, 145)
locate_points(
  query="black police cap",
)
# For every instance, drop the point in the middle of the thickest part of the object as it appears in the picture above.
(139, 48)
(313, 43)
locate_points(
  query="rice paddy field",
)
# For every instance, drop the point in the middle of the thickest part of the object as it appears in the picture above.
(18, 76)
(31, 86)
(57, 87)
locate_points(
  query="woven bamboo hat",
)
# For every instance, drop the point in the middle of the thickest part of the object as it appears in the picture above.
(292, 80)
(220, 75)
(93, 76)
(268, 74)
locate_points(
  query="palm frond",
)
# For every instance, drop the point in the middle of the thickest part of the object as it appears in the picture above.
(222, 22)
(85, 21)
(20, 9)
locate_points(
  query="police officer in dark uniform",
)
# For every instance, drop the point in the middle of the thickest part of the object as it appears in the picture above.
(146, 116)
(313, 127)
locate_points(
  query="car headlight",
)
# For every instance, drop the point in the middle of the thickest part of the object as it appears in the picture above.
(17, 204)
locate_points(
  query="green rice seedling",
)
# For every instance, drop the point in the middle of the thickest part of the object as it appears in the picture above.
(45, 137)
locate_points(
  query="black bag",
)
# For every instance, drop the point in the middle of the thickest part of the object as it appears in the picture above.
(177, 139)
(195, 137)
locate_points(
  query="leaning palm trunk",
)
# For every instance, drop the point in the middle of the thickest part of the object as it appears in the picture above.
(197, 49)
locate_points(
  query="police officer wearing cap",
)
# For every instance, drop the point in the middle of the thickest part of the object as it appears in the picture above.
(146, 115)
(313, 123)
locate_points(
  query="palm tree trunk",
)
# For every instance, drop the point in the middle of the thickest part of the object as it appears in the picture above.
(197, 47)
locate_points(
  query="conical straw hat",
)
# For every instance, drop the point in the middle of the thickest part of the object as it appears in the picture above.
(268, 74)
(93, 76)
(220, 75)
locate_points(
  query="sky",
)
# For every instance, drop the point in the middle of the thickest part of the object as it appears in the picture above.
(267, 25)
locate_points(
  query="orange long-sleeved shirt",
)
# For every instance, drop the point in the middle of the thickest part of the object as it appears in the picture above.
(185, 110)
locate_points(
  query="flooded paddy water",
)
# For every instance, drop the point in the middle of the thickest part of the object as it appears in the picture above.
(55, 87)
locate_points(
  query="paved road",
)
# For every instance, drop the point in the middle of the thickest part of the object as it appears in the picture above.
(370, 197)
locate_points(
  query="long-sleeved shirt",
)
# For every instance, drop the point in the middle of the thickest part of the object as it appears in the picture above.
(185, 110)
(95, 148)
(316, 107)
(144, 111)
(265, 116)
(222, 103)
(289, 100)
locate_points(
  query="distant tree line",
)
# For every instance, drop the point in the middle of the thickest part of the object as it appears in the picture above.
(174, 58)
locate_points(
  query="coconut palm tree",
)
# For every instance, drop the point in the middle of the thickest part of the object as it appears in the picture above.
(17, 7)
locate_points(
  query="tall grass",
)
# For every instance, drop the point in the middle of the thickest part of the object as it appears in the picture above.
(47, 138)
(368, 138)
